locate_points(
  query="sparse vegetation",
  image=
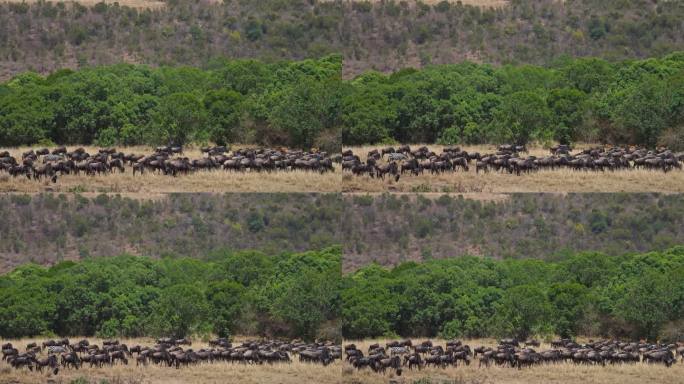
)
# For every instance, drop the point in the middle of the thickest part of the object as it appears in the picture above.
(381, 35)
(70, 227)
(388, 228)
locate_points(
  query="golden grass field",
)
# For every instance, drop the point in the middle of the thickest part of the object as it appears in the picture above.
(159, 4)
(565, 373)
(154, 4)
(560, 180)
(151, 183)
(220, 372)
(480, 3)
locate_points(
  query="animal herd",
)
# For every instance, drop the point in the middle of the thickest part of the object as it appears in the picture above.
(399, 355)
(167, 160)
(59, 354)
(512, 159)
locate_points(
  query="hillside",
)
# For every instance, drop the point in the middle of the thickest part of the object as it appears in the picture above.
(386, 35)
(388, 229)
(46, 229)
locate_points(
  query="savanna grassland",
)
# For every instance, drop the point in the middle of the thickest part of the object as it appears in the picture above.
(154, 183)
(542, 374)
(218, 372)
(552, 181)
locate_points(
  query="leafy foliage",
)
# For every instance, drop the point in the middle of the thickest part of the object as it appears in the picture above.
(633, 295)
(234, 101)
(632, 102)
(290, 294)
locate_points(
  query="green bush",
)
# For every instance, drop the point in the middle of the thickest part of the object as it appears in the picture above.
(632, 295)
(127, 296)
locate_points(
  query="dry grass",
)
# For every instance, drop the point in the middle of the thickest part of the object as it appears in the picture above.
(561, 180)
(479, 3)
(221, 372)
(154, 4)
(566, 373)
(151, 183)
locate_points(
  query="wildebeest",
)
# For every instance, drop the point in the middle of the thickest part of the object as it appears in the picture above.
(512, 159)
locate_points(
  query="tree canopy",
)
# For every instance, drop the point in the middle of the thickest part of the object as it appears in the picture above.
(233, 101)
(586, 99)
(247, 292)
(590, 294)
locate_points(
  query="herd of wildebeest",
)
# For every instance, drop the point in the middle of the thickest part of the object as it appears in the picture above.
(398, 355)
(59, 354)
(510, 159)
(167, 160)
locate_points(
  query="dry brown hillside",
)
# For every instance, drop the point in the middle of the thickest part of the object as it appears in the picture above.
(384, 36)
(385, 228)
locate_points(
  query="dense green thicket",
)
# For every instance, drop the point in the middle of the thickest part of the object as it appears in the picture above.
(589, 99)
(390, 229)
(289, 295)
(286, 103)
(381, 35)
(634, 295)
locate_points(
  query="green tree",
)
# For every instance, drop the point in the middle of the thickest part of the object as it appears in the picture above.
(645, 110)
(226, 300)
(647, 303)
(522, 117)
(182, 310)
(522, 310)
(223, 115)
(177, 119)
(568, 108)
(366, 116)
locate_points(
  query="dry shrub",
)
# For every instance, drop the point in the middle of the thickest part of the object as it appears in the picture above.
(672, 138)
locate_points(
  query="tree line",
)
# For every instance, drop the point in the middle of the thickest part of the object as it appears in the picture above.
(246, 292)
(584, 99)
(591, 294)
(247, 101)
